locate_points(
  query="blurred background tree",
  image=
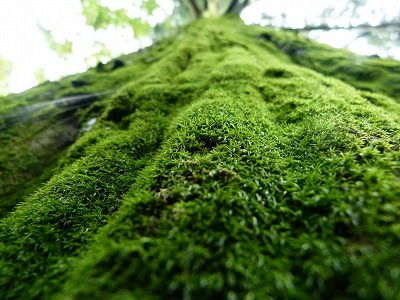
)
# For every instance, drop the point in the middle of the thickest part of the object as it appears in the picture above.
(117, 25)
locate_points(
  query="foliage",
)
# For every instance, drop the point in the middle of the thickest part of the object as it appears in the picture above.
(139, 17)
(100, 17)
(104, 14)
(63, 49)
(218, 169)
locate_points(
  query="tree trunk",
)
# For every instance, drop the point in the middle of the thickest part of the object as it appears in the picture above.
(219, 169)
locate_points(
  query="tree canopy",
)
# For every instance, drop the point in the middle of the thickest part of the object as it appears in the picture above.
(349, 15)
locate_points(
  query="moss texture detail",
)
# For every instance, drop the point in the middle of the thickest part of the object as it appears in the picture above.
(217, 168)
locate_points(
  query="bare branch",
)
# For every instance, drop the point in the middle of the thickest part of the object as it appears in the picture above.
(193, 8)
(236, 6)
(232, 6)
(244, 4)
(358, 37)
(361, 26)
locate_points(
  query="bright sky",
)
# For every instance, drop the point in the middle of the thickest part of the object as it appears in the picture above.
(23, 44)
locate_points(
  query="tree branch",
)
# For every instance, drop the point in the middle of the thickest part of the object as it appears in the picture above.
(358, 37)
(244, 4)
(236, 6)
(361, 26)
(232, 6)
(193, 8)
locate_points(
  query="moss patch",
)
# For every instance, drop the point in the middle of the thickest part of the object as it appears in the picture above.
(365, 73)
(219, 170)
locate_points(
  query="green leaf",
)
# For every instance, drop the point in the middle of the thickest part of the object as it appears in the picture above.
(62, 49)
(140, 28)
(40, 75)
(149, 6)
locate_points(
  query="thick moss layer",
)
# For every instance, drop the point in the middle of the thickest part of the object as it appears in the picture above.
(370, 74)
(37, 126)
(220, 170)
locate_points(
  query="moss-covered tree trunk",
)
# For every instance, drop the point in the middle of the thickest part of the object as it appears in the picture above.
(219, 169)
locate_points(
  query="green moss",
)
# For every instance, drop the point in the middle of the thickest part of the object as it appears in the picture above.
(36, 128)
(366, 73)
(220, 170)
